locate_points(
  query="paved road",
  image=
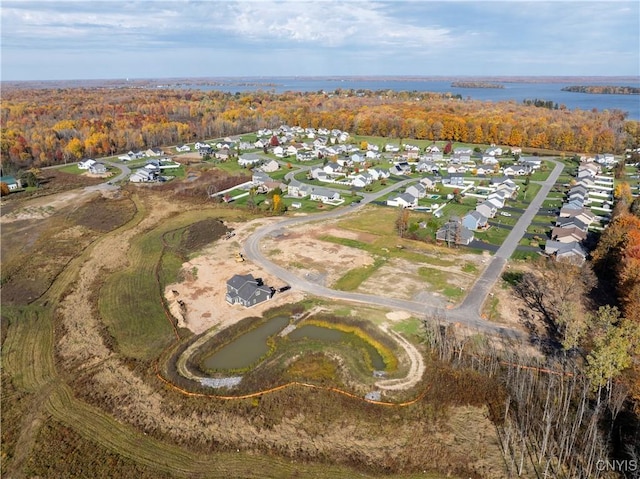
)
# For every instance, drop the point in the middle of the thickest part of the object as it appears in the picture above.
(468, 313)
(474, 300)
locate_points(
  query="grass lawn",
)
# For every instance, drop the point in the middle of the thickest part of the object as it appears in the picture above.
(524, 255)
(493, 235)
(438, 280)
(459, 209)
(356, 276)
(72, 169)
(130, 300)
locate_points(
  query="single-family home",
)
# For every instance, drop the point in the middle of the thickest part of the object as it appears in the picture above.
(205, 150)
(278, 151)
(11, 182)
(517, 170)
(453, 179)
(418, 190)
(429, 182)
(325, 195)
(455, 232)
(494, 151)
(183, 148)
(270, 166)
(249, 160)
(298, 189)
(571, 222)
(606, 159)
(154, 152)
(143, 175)
(572, 252)
(489, 160)
(260, 177)
(532, 162)
(583, 214)
(404, 200)
(305, 155)
(427, 166)
(246, 290)
(402, 168)
(85, 164)
(462, 150)
(487, 209)
(433, 148)
(474, 220)
(97, 169)
(567, 235)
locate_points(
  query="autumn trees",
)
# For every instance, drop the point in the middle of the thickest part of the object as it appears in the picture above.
(44, 127)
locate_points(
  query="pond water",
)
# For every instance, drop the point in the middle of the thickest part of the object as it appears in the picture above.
(251, 346)
(248, 348)
(311, 331)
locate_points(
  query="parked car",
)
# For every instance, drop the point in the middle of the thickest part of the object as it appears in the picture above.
(504, 213)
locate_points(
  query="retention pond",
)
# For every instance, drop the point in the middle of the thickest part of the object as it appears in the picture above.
(255, 344)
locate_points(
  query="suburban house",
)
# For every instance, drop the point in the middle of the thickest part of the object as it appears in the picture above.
(571, 222)
(572, 252)
(246, 290)
(494, 151)
(404, 200)
(270, 166)
(418, 190)
(11, 182)
(143, 175)
(298, 189)
(325, 195)
(205, 150)
(532, 162)
(223, 154)
(567, 235)
(97, 169)
(249, 160)
(183, 148)
(153, 152)
(305, 156)
(517, 170)
(583, 214)
(429, 183)
(489, 160)
(486, 209)
(474, 220)
(454, 179)
(606, 159)
(455, 232)
(85, 164)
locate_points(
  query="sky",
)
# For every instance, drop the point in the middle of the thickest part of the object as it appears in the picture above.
(58, 40)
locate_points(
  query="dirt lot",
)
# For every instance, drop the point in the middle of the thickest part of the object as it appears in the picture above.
(203, 291)
(300, 249)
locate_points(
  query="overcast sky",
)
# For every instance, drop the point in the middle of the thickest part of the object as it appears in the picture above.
(52, 40)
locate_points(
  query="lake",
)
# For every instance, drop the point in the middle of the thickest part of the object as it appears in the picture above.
(512, 91)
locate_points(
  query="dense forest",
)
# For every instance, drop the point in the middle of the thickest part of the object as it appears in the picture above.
(43, 127)
(476, 84)
(604, 89)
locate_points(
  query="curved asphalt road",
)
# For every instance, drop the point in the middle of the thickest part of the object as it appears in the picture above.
(468, 313)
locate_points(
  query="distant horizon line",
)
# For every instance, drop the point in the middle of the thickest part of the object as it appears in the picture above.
(336, 77)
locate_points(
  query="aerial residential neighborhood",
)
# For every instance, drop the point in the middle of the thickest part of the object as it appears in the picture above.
(381, 239)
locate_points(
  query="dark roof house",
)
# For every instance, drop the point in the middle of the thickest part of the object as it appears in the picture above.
(246, 290)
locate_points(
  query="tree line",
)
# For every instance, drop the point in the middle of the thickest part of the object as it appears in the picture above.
(43, 127)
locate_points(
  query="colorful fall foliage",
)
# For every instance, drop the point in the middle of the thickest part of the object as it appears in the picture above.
(50, 126)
